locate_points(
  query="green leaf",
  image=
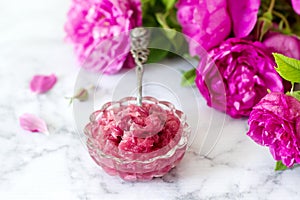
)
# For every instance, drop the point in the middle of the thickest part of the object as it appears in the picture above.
(288, 68)
(157, 42)
(268, 15)
(180, 44)
(171, 33)
(295, 94)
(188, 56)
(149, 21)
(280, 25)
(280, 166)
(148, 13)
(263, 26)
(172, 20)
(169, 3)
(156, 55)
(161, 18)
(188, 77)
(150, 2)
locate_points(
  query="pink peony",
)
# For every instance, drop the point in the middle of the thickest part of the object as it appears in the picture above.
(289, 45)
(208, 23)
(275, 123)
(236, 75)
(296, 6)
(243, 15)
(99, 30)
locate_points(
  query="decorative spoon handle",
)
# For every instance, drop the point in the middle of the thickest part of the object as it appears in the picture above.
(140, 52)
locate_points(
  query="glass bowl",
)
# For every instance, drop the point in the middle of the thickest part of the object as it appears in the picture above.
(115, 144)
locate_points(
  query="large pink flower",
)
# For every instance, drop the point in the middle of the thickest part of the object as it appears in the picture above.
(275, 123)
(236, 75)
(99, 31)
(208, 22)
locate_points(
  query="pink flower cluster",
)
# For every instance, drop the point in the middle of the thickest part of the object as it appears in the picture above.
(275, 123)
(236, 72)
(236, 75)
(99, 32)
(208, 23)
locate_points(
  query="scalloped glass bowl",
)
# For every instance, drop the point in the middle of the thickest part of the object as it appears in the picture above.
(137, 166)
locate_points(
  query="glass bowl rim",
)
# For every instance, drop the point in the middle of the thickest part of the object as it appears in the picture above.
(181, 143)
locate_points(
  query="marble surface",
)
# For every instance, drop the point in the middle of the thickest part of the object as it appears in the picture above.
(221, 163)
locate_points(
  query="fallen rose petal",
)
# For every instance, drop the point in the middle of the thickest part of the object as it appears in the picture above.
(296, 6)
(33, 123)
(42, 83)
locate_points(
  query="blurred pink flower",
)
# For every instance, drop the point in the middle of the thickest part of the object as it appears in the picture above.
(208, 23)
(32, 123)
(288, 45)
(236, 75)
(275, 123)
(296, 6)
(99, 30)
(42, 83)
(243, 15)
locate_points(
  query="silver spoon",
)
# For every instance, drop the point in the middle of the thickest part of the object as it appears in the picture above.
(139, 49)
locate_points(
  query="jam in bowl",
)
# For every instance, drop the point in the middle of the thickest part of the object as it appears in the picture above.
(137, 142)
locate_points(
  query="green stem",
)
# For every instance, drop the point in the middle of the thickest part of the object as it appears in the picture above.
(271, 7)
(283, 18)
(292, 89)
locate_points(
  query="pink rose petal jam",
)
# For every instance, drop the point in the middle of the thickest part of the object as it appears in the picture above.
(137, 142)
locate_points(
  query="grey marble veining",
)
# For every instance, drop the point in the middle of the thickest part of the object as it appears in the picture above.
(36, 166)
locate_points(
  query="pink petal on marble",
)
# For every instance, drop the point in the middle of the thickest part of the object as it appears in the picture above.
(42, 83)
(296, 6)
(30, 122)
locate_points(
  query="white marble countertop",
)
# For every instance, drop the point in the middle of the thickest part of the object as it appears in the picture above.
(36, 166)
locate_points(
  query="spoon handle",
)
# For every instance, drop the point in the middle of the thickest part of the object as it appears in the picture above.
(140, 52)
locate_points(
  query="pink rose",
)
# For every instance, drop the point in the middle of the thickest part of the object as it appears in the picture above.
(99, 32)
(243, 15)
(275, 123)
(296, 6)
(208, 23)
(236, 75)
(289, 45)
